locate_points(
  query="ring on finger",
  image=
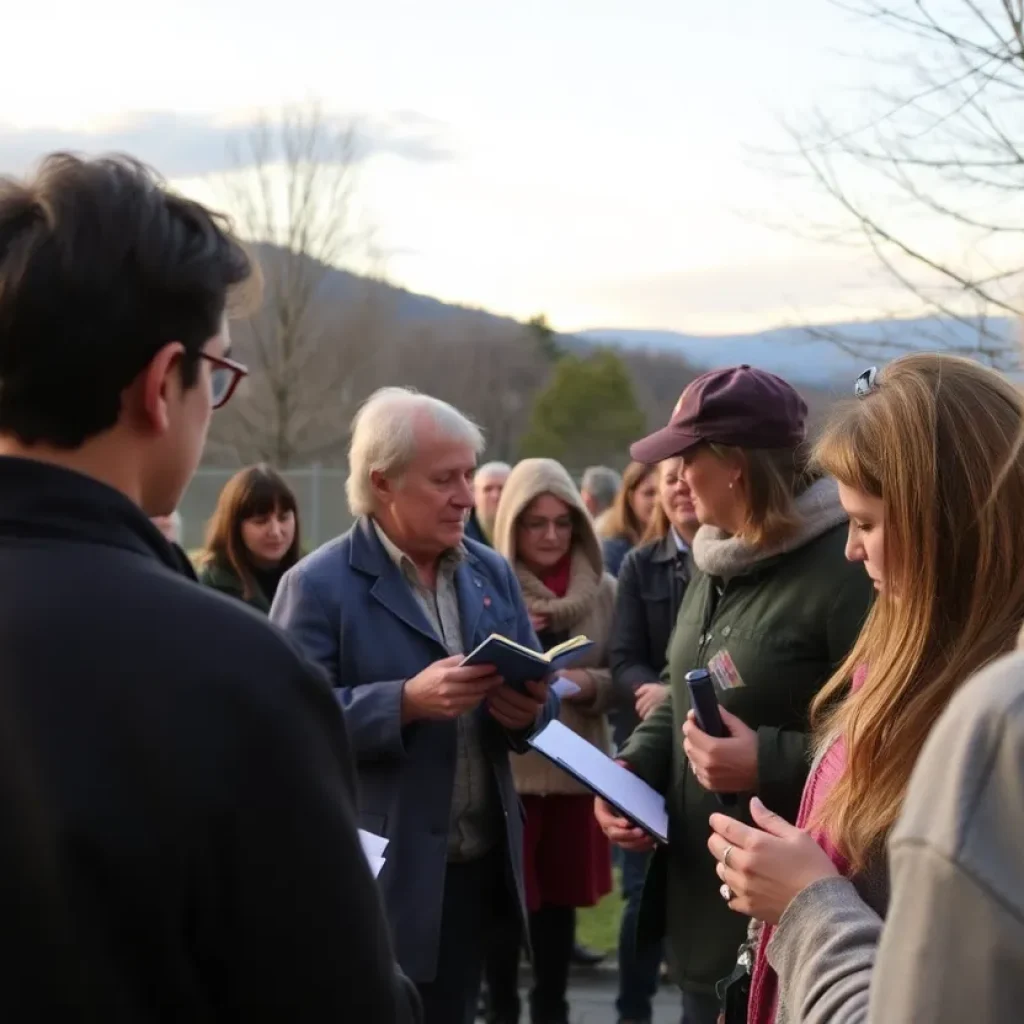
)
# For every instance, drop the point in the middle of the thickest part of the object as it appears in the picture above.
(725, 856)
(726, 893)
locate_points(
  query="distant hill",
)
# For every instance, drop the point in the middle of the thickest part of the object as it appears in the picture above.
(801, 354)
(797, 353)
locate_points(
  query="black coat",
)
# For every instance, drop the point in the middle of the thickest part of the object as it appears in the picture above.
(177, 837)
(474, 531)
(652, 582)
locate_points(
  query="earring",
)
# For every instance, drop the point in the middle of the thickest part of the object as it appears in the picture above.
(732, 484)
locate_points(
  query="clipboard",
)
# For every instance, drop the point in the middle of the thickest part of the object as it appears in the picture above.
(627, 793)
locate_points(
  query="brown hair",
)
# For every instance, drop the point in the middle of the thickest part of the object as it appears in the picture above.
(658, 527)
(939, 441)
(253, 491)
(621, 520)
(772, 479)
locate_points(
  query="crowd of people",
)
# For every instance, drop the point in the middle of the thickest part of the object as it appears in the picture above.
(188, 752)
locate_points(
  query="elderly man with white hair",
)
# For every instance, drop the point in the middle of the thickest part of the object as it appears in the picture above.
(389, 609)
(488, 483)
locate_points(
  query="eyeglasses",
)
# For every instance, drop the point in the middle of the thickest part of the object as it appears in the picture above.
(225, 376)
(541, 526)
(866, 382)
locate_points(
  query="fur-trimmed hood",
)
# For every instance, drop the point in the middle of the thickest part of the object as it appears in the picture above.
(530, 479)
(718, 554)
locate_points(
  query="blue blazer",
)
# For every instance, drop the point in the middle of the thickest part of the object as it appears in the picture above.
(352, 611)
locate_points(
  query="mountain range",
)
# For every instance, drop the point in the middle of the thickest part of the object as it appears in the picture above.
(820, 356)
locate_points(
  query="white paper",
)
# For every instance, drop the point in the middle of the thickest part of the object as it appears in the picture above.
(564, 687)
(373, 849)
(619, 786)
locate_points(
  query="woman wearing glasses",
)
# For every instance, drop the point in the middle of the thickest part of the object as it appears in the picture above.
(253, 538)
(544, 531)
(930, 468)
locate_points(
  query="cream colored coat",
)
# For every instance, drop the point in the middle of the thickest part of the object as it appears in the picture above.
(588, 608)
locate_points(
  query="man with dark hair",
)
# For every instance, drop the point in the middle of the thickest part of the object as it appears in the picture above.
(177, 836)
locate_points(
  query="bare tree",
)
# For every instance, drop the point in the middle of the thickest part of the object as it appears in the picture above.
(293, 193)
(929, 175)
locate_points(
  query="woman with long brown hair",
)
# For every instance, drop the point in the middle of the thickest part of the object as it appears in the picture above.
(623, 526)
(253, 537)
(930, 470)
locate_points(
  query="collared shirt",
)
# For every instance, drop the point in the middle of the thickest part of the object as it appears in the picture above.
(474, 822)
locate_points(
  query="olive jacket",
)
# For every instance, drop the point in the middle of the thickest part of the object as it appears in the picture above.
(786, 618)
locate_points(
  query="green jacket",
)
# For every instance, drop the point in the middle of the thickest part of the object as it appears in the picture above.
(226, 580)
(786, 621)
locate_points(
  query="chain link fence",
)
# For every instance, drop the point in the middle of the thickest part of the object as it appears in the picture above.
(320, 492)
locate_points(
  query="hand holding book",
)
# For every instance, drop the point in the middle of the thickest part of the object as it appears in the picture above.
(517, 664)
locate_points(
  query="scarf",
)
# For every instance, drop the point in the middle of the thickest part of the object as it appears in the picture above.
(764, 983)
(719, 554)
(566, 610)
(556, 579)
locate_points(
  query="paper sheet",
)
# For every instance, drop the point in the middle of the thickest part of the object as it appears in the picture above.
(373, 849)
(564, 687)
(620, 787)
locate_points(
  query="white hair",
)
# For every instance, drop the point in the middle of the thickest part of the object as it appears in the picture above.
(602, 483)
(384, 438)
(489, 469)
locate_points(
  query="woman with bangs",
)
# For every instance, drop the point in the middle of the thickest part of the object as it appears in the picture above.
(253, 538)
(930, 469)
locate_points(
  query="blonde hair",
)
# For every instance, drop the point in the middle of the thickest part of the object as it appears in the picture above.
(939, 441)
(772, 479)
(621, 520)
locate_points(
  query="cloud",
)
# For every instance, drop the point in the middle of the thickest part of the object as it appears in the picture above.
(191, 145)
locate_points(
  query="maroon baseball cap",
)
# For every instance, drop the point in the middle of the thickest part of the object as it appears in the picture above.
(741, 406)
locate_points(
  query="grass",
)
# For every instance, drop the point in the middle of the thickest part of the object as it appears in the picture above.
(598, 927)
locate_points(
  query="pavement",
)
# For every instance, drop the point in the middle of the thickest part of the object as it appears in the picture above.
(592, 998)
(593, 1002)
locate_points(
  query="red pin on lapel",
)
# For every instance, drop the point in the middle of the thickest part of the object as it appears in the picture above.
(487, 601)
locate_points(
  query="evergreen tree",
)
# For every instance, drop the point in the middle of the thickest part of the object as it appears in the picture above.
(587, 414)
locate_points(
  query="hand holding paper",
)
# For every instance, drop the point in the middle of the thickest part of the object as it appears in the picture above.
(623, 790)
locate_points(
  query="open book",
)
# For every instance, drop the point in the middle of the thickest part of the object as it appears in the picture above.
(517, 664)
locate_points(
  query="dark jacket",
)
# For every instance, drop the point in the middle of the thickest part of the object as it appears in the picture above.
(351, 609)
(652, 582)
(227, 581)
(178, 800)
(787, 622)
(615, 550)
(474, 531)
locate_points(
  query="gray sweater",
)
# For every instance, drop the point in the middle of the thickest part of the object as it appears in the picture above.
(952, 947)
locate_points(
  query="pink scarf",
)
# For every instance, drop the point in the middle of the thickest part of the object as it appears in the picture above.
(764, 984)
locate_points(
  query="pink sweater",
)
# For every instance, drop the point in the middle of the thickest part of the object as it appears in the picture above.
(764, 985)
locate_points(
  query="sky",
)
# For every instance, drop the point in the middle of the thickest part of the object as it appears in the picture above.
(601, 162)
